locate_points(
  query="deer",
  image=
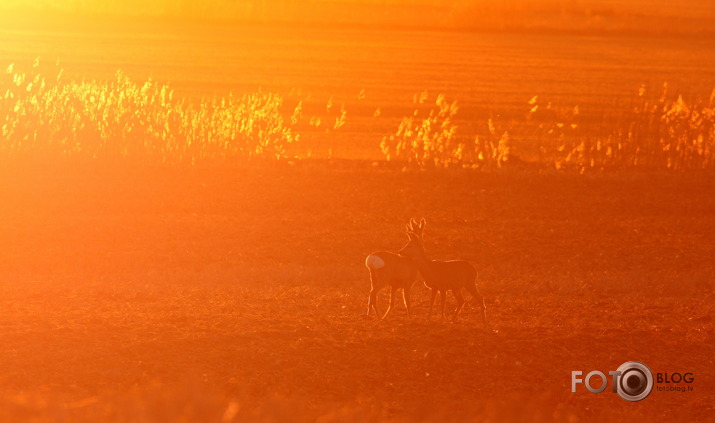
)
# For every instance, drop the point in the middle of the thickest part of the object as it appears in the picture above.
(441, 276)
(395, 271)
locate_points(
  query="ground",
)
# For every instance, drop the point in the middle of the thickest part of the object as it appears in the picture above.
(234, 293)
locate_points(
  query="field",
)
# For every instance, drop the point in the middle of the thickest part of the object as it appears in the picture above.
(194, 294)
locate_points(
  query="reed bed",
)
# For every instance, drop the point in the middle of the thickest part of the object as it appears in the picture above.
(44, 113)
(666, 132)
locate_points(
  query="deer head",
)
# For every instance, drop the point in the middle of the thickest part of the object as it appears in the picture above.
(414, 247)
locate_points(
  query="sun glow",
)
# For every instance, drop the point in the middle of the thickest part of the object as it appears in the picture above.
(691, 16)
(198, 200)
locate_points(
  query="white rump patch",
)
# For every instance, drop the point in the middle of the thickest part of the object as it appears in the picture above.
(374, 262)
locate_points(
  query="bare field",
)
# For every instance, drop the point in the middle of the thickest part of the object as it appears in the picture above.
(234, 294)
(229, 285)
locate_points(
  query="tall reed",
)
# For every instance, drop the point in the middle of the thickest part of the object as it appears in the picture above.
(666, 132)
(43, 112)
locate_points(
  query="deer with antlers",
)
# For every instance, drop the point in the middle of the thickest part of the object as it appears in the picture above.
(442, 276)
(395, 271)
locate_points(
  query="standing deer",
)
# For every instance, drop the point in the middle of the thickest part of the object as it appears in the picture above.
(396, 271)
(442, 276)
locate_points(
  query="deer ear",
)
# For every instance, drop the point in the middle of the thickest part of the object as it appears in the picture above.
(422, 224)
(408, 229)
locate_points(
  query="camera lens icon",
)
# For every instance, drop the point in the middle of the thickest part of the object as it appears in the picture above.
(635, 382)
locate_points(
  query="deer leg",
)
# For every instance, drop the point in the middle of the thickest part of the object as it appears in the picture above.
(443, 296)
(474, 290)
(393, 295)
(372, 302)
(406, 299)
(431, 303)
(460, 303)
(372, 299)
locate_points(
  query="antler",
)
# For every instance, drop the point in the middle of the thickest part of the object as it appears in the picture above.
(414, 229)
(413, 225)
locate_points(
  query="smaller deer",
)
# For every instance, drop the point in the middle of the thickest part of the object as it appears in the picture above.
(396, 271)
(442, 276)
